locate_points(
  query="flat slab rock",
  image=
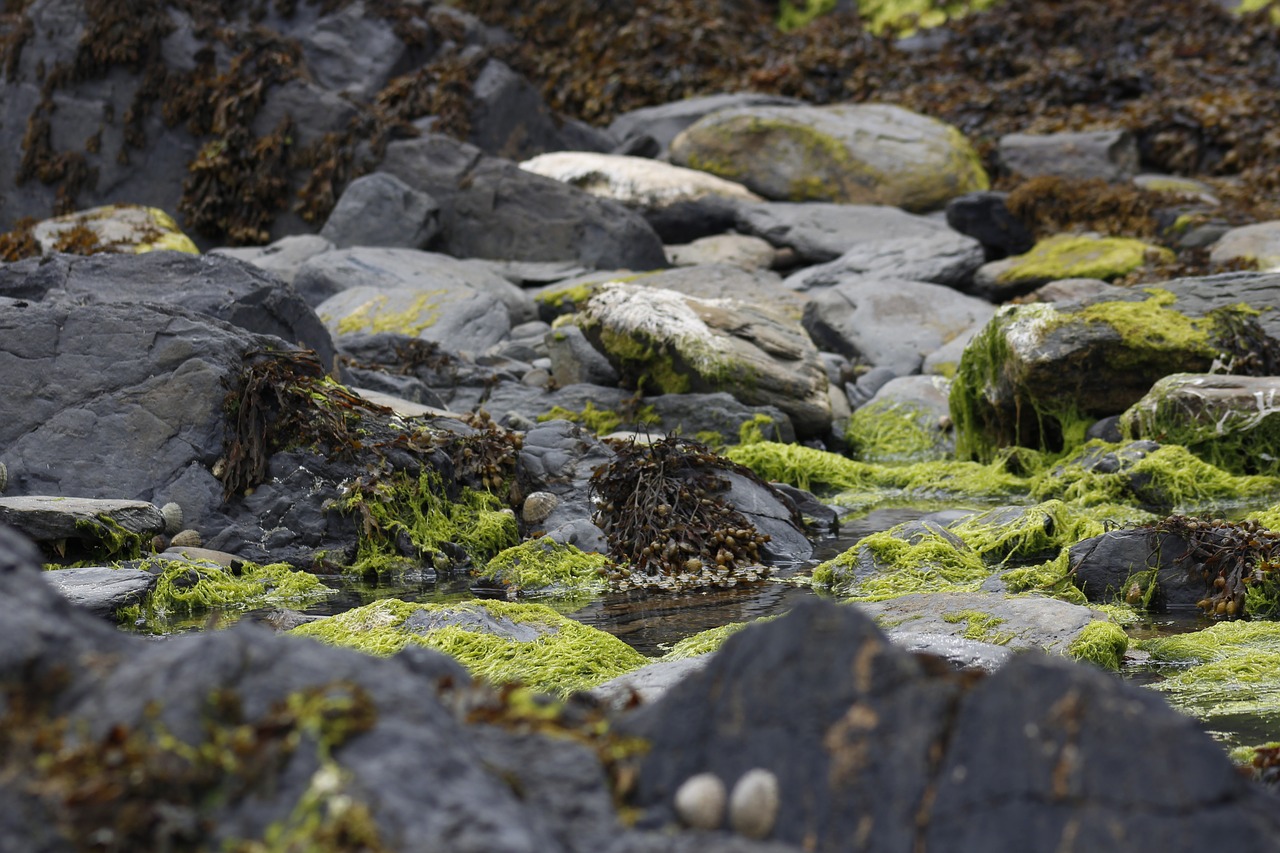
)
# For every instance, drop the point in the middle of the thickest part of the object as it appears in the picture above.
(102, 590)
(46, 517)
(1025, 623)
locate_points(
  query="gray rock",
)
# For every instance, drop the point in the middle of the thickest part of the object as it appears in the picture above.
(773, 514)
(220, 287)
(559, 457)
(891, 323)
(649, 683)
(510, 119)
(574, 360)
(381, 210)
(957, 651)
(48, 518)
(1111, 155)
(282, 258)
(664, 122)
(1198, 296)
(821, 231)
(854, 153)
(984, 217)
(1259, 242)
(725, 281)
(1106, 567)
(491, 208)
(351, 52)
(920, 400)
(740, 250)
(945, 258)
(102, 590)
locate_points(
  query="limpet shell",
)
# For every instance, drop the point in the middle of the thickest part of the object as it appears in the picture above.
(700, 801)
(753, 806)
(172, 518)
(538, 506)
(185, 539)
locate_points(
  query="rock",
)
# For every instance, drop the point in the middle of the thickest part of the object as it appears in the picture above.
(870, 731)
(102, 590)
(648, 683)
(820, 231)
(97, 522)
(282, 258)
(908, 420)
(510, 119)
(1020, 380)
(754, 804)
(854, 153)
(984, 217)
(1229, 421)
(723, 281)
(739, 250)
(1177, 184)
(1106, 567)
(1259, 242)
(220, 287)
(421, 372)
(574, 360)
(419, 294)
(381, 210)
(1063, 256)
(945, 258)
(680, 204)
(490, 208)
(700, 801)
(662, 123)
(773, 514)
(1258, 290)
(958, 652)
(351, 52)
(672, 343)
(1111, 155)
(890, 323)
(1077, 290)
(119, 228)
(558, 458)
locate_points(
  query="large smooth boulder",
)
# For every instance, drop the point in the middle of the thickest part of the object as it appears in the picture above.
(822, 231)
(382, 210)
(491, 208)
(888, 322)
(122, 228)
(945, 257)
(865, 738)
(1111, 155)
(854, 153)
(665, 342)
(1259, 243)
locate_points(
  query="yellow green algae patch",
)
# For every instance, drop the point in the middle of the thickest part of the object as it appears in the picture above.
(1229, 669)
(117, 228)
(1051, 578)
(600, 421)
(1169, 477)
(884, 565)
(980, 626)
(709, 640)
(894, 432)
(475, 521)
(546, 568)
(188, 589)
(893, 17)
(1079, 256)
(375, 315)
(1102, 643)
(560, 655)
(1007, 533)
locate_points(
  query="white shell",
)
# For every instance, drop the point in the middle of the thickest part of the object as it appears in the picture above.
(185, 539)
(538, 506)
(753, 806)
(172, 518)
(700, 801)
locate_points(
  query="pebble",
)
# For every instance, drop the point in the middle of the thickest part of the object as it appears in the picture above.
(700, 801)
(753, 806)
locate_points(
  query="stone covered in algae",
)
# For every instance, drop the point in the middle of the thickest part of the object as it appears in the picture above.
(1038, 375)
(544, 568)
(897, 431)
(1231, 421)
(1070, 256)
(500, 641)
(850, 153)
(120, 228)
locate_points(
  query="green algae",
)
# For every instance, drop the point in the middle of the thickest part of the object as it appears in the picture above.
(890, 566)
(1036, 531)
(1101, 643)
(546, 568)
(103, 538)
(566, 656)
(1078, 256)
(894, 432)
(476, 521)
(1052, 578)
(710, 640)
(188, 589)
(1235, 669)
(980, 626)
(372, 316)
(600, 421)
(794, 14)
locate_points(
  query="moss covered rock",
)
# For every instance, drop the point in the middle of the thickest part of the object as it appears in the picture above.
(1067, 256)
(1231, 421)
(544, 568)
(120, 228)
(854, 153)
(1037, 375)
(500, 641)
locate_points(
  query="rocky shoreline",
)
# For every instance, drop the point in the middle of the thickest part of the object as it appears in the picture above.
(494, 347)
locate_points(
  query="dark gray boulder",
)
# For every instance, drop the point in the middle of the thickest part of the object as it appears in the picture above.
(1108, 567)
(869, 742)
(822, 231)
(381, 210)
(985, 217)
(509, 119)
(491, 208)
(100, 589)
(945, 257)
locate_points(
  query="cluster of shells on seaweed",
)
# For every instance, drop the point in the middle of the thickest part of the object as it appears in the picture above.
(1231, 556)
(666, 527)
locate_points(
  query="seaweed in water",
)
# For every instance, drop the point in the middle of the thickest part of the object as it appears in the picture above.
(1239, 562)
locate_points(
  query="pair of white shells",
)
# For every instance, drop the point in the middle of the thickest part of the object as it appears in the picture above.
(753, 805)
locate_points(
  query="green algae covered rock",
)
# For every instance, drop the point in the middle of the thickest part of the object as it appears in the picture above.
(544, 568)
(850, 153)
(1067, 256)
(118, 228)
(1037, 375)
(1231, 421)
(500, 641)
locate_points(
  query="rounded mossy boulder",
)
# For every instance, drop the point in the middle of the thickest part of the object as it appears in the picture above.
(1072, 256)
(119, 228)
(500, 641)
(545, 568)
(849, 153)
(1101, 643)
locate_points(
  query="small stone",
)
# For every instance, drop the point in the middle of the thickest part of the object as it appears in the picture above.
(185, 539)
(753, 806)
(538, 506)
(172, 518)
(700, 801)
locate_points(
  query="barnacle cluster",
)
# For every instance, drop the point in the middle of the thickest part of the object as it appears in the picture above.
(661, 507)
(1238, 561)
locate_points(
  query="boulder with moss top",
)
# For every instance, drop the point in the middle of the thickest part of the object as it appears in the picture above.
(664, 342)
(116, 228)
(1065, 256)
(906, 421)
(1231, 421)
(854, 153)
(1037, 375)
